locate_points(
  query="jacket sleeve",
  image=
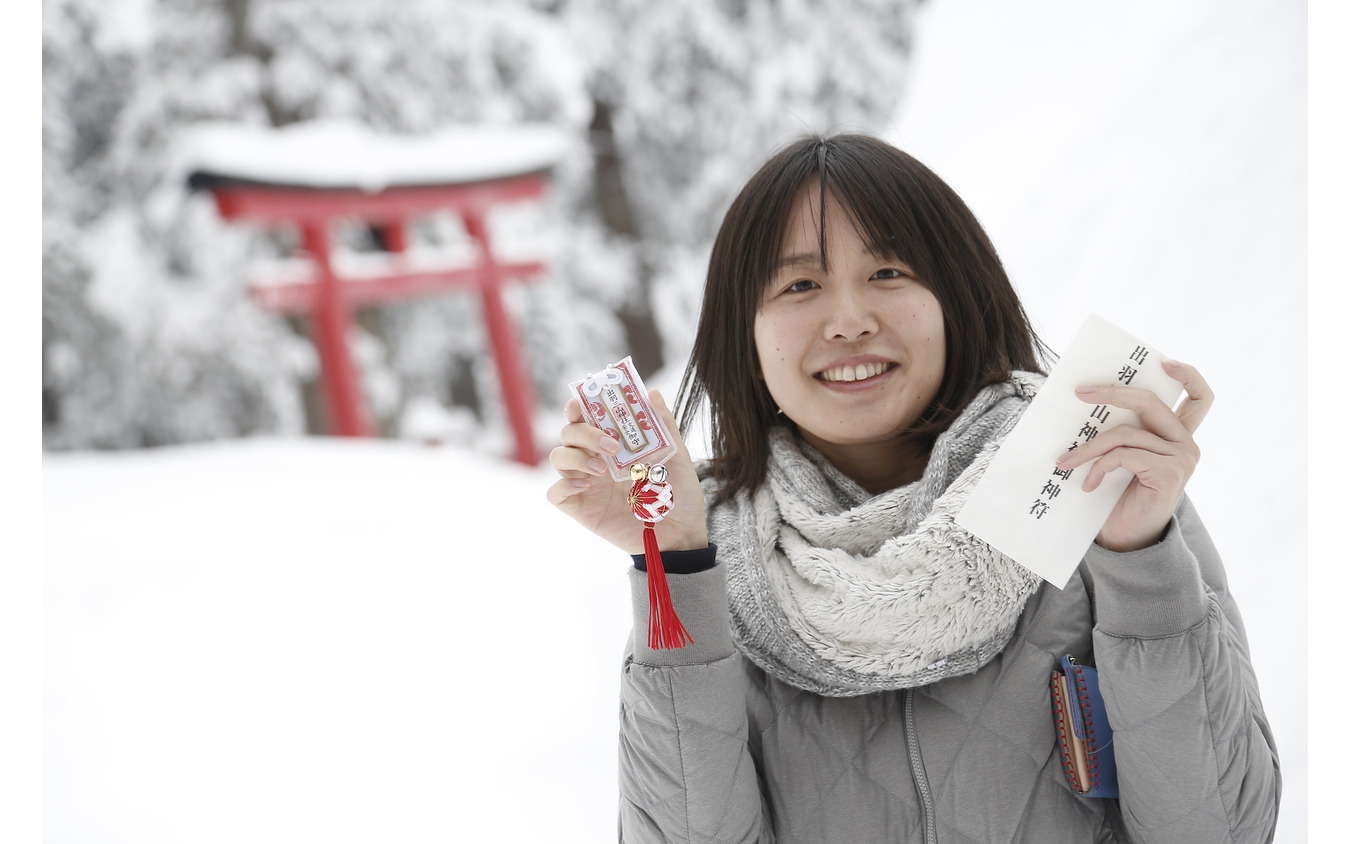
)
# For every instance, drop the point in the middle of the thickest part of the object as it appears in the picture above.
(1194, 752)
(685, 769)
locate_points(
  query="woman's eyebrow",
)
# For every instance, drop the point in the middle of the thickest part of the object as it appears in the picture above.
(883, 253)
(801, 259)
(812, 259)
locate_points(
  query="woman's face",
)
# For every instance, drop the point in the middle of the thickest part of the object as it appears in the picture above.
(854, 355)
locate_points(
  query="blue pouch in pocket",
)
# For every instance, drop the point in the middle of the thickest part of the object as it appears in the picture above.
(1082, 730)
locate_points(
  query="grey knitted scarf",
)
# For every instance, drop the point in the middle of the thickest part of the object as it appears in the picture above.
(842, 593)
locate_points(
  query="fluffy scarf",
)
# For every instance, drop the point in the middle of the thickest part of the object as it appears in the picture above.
(843, 593)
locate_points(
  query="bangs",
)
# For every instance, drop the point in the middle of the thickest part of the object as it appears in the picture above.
(881, 215)
(845, 182)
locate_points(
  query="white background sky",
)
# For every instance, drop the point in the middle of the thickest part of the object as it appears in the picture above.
(200, 583)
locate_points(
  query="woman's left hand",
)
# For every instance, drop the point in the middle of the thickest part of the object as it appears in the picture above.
(1160, 451)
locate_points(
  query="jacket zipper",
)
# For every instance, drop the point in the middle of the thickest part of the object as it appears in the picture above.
(916, 765)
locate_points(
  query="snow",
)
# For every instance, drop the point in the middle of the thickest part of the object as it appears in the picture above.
(338, 153)
(323, 640)
(293, 640)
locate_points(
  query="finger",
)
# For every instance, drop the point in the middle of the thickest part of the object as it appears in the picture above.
(579, 432)
(1151, 469)
(1199, 397)
(572, 410)
(583, 435)
(1154, 415)
(573, 462)
(1122, 436)
(562, 490)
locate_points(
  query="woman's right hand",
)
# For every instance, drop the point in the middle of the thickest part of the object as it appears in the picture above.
(588, 493)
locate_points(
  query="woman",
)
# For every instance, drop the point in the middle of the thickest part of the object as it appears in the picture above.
(862, 669)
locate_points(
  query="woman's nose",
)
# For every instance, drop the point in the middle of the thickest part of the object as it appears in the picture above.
(850, 316)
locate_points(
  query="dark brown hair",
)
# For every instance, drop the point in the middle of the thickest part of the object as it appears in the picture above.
(902, 210)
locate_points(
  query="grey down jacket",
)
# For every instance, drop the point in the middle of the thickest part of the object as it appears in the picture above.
(713, 749)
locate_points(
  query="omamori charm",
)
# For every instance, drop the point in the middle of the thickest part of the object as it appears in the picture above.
(615, 401)
(651, 498)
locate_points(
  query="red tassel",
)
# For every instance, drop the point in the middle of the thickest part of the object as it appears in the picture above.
(651, 499)
(664, 629)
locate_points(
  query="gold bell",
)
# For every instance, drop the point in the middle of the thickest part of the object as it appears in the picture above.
(637, 472)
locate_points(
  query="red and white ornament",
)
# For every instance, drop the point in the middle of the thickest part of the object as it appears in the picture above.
(651, 498)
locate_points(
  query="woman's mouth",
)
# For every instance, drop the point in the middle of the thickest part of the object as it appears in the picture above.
(860, 372)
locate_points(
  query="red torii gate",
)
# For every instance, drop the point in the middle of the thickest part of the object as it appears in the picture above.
(328, 299)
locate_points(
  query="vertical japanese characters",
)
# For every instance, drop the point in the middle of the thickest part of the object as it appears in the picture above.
(1091, 426)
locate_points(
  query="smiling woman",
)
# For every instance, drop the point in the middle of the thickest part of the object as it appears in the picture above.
(861, 201)
(850, 347)
(861, 667)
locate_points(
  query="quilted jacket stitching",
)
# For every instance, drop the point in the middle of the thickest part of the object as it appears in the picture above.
(679, 746)
(651, 797)
(1205, 676)
(1161, 771)
(1032, 752)
(849, 762)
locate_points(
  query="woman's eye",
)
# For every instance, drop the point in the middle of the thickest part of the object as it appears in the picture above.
(801, 286)
(888, 273)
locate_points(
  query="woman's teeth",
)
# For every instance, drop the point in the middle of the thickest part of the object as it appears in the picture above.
(855, 373)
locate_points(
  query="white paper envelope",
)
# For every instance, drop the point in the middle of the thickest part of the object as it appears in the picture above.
(1026, 507)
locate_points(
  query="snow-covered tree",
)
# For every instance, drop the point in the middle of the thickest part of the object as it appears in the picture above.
(148, 335)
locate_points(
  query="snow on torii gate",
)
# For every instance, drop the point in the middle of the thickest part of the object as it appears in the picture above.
(312, 174)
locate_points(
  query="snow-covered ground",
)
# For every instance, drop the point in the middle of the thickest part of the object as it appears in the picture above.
(318, 640)
(324, 641)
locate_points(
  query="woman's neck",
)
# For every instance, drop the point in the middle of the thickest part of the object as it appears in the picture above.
(877, 467)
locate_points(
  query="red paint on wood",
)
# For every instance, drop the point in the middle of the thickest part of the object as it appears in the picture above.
(328, 300)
